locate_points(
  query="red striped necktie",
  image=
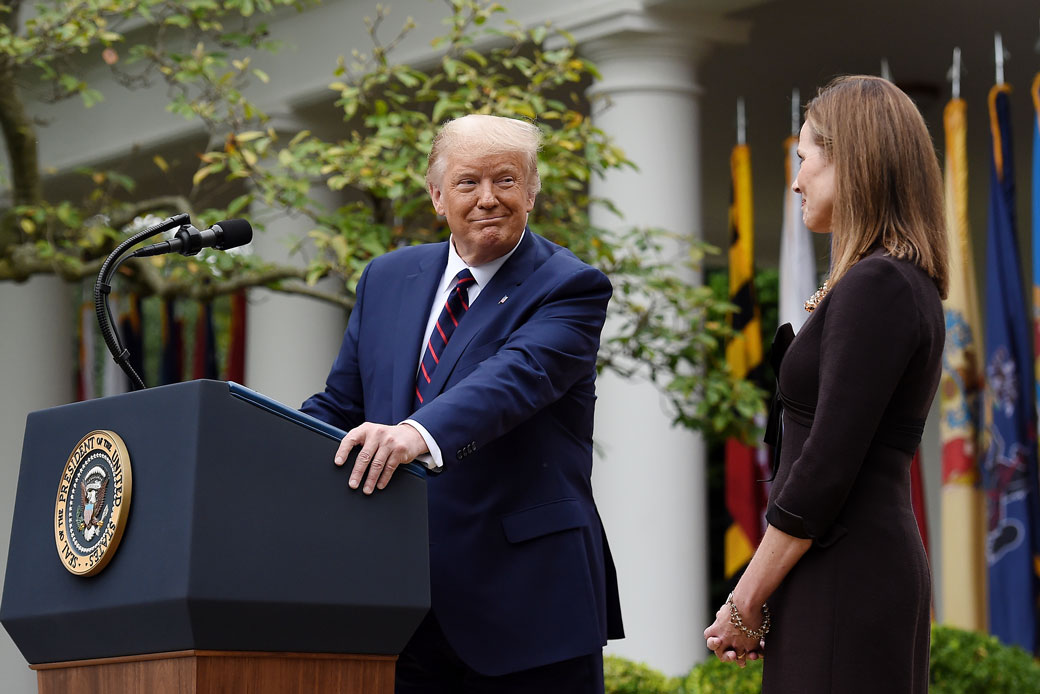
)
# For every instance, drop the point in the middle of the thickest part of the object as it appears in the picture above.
(454, 308)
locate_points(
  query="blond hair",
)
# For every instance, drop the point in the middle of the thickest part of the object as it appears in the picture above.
(888, 187)
(481, 135)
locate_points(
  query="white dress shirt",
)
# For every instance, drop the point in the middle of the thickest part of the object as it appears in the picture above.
(482, 274)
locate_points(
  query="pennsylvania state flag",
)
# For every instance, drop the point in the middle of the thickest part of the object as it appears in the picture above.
(1010, 460)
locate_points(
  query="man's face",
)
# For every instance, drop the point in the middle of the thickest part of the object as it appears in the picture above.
(485, 200)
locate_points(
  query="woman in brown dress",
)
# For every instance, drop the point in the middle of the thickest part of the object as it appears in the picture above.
(838, 592)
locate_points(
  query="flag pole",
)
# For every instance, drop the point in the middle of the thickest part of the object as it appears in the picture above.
(741, 122)
(999, 55)
(955, 73)
(796, 111)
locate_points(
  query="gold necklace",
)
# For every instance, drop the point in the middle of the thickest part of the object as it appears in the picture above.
(813, 301)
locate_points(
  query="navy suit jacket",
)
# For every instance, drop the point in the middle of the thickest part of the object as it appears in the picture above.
(520, 569)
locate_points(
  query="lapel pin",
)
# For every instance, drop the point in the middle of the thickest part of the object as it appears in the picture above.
(503, 299)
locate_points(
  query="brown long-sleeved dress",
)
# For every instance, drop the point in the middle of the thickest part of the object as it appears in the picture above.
(853, 614)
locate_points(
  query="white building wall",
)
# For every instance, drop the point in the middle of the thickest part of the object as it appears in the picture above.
(37, 340)
(291, 341)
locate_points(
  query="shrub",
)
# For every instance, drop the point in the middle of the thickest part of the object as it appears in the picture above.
(715, 677)
(626, 677)
(969, 662)
(962, 662)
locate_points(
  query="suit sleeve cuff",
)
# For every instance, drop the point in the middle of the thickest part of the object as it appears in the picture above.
(784, 520)
(797, 526)
(433, 459)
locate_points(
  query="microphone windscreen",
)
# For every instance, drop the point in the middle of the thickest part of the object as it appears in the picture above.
(236, 232)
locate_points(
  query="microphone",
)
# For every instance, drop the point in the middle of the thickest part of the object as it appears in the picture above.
(188, 240)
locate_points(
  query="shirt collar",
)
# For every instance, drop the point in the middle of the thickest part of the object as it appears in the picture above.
(482, 274)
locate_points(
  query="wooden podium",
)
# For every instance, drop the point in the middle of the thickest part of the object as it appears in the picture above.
(220, 672)
(246, 564)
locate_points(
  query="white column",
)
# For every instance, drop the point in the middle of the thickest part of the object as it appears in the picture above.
(291, 340)
(37, 343)
(651, 483)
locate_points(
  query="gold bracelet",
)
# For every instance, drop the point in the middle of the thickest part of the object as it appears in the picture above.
(735, 620)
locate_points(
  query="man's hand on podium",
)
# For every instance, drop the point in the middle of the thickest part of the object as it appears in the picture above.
(383, 449)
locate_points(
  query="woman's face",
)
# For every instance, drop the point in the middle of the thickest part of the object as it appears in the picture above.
(815, 182)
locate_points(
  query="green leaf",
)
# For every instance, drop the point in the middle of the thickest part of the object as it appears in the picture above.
(443, 105)
(407, 79)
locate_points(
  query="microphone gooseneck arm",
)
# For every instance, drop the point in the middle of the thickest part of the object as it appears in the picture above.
(103, 287)
(188, 241)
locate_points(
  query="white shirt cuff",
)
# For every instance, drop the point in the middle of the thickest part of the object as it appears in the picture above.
(433, 459)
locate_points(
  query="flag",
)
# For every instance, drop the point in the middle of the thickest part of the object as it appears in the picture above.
(917, 498)
(745, 496)
(132, 330)
(236, 361)
(963, 564)
(172, 368)
(1035, 92)
(85, 384)
(1009, 464)
(797, 262)
(113, 379)
(204, 364)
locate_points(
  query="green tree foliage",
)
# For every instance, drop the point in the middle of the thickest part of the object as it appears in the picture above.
(663, 327)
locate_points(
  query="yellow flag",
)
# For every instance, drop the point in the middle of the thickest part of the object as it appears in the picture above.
(963, 530)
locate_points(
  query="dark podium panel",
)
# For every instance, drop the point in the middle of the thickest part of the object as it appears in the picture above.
(241, 536)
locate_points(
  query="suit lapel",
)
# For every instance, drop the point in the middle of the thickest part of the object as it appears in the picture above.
(416, 297)
(484, 310)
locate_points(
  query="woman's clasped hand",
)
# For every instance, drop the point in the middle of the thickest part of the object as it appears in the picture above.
(732, 639)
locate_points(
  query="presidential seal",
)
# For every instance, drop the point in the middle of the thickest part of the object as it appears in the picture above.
(93, 502)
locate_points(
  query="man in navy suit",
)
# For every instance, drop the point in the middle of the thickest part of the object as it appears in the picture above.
(477, 356)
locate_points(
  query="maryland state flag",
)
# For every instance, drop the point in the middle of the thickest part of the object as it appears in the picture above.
(963, 563)
(1009, 474)
(745, 464)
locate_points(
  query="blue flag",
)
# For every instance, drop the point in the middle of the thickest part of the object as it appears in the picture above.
(1009, 468)
(1035, 93)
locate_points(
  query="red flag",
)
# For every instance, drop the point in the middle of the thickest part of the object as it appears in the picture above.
(236, 363)
(917, 498)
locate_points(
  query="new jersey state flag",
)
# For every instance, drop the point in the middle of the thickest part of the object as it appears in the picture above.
(960, 398)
